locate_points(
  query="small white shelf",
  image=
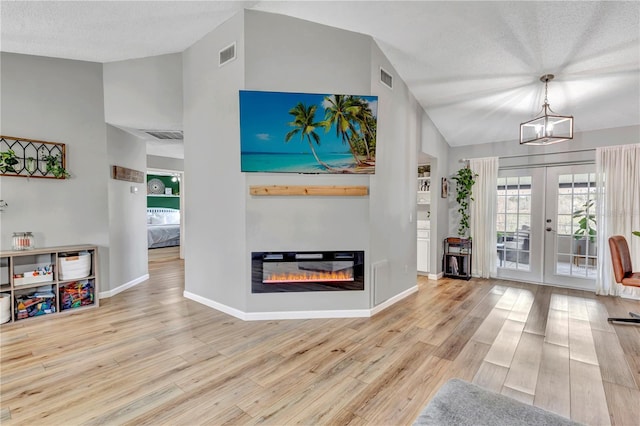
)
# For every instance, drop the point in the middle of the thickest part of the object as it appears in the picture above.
(163, 195)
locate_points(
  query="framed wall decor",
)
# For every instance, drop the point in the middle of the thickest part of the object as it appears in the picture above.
(31, 158)
(444, 188)
(311, 133)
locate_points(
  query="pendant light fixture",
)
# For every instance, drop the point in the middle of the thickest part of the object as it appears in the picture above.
(549, 127)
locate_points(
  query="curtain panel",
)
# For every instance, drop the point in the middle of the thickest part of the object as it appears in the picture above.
(617, 212)
(483, 216)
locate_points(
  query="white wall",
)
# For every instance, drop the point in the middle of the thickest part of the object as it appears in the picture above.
(144, 93)
(165, 163)
(216, 260)
(226, 224)
(318, 59)
(392, 206)
(57, 100)
(127, 211)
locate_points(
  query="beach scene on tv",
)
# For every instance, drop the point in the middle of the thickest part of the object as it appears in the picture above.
(307, 133)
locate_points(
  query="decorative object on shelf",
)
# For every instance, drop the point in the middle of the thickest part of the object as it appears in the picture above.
(444, 188)
(23, 241)
(32, 158)
(155, 186)
(129, 175)
(465, 178)
(547, 128)
(7, 161)
(31, 164)
(54, 166)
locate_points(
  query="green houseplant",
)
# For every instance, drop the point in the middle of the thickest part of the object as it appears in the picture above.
(7, 161)
(465, 179)
(53, 165)
(586, 223)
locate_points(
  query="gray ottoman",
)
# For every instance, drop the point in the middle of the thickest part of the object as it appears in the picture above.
(462, 403)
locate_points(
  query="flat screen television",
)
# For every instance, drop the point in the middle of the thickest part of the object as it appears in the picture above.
(307, 133)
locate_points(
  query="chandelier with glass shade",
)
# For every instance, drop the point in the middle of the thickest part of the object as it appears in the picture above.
(549, 127)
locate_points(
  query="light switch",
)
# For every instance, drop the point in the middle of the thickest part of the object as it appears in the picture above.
(134, 189)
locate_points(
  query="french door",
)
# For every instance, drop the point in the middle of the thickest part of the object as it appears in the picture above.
(546, 225)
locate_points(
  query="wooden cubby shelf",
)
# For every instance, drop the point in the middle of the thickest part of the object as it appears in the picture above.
(310, 190)
(38, 285)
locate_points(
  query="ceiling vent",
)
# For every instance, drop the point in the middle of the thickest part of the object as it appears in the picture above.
(227, 54)
(166, 135)
(386, 78)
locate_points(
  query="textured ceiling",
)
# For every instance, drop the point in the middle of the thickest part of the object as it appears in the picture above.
(473, 66)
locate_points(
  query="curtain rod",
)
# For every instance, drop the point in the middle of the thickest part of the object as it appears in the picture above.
(535, 155)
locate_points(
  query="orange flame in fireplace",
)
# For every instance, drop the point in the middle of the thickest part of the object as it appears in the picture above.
(311, 276)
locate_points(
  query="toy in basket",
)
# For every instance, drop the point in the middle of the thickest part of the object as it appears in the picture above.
(36, 304)
(76, 294)
(74, 266)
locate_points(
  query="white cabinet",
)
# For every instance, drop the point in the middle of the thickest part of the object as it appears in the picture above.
(423, 250)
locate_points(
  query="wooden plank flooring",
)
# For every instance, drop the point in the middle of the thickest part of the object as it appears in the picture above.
(149, 356)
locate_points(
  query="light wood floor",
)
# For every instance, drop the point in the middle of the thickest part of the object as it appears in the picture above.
(148, 356)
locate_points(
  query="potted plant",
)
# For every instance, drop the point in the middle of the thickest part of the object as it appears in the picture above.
(7, 161)
(53, 165)
(465, 178)
(31, 164)
(587, 222)
(586, 228)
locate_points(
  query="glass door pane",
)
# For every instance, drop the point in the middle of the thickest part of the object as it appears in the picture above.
(518, 224)
(571, 255)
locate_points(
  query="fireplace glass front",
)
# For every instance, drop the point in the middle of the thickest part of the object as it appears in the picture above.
(307, 271)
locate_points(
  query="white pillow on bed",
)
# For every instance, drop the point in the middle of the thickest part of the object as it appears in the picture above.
(155, 219)
(172, 218)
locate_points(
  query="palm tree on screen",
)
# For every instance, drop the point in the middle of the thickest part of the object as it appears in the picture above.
(367, 123)
(342, 112)
(306, 127)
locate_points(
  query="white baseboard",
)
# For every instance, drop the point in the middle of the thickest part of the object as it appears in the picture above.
(393, 300)
(435, 276)
(123, 287)
(284, 315)
(216, 305)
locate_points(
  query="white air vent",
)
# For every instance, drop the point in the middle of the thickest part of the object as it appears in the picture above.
(386, 78)
(165, 135)
(227, 54)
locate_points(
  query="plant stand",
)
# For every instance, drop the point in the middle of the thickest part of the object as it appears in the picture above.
(456, 260)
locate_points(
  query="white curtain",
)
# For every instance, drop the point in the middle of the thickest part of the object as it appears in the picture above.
(618, 212)
(483, 216)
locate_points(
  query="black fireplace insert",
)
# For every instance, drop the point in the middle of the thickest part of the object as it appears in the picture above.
(276, 272)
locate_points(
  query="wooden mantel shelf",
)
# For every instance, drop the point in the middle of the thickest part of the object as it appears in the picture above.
(315, 190)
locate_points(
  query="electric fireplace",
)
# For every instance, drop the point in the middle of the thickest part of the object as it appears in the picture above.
(276, 272)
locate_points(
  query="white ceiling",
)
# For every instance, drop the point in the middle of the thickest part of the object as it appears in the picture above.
(473, 66)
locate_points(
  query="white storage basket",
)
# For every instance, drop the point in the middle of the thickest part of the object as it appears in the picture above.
(74, 267)
(5, 308)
